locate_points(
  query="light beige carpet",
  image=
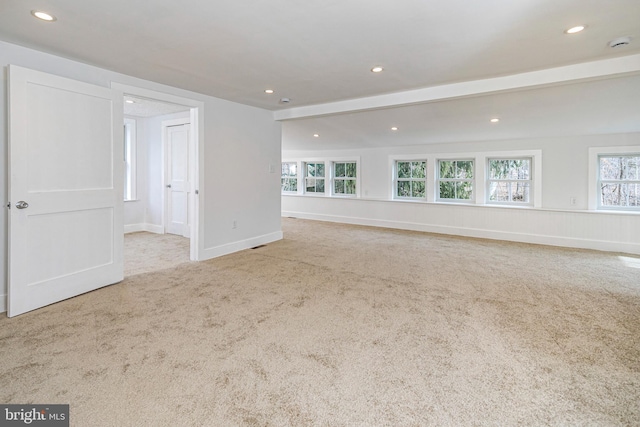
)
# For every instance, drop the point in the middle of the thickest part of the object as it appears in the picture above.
(340, 325)
(146, 252)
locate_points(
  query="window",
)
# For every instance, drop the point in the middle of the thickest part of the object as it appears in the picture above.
(509, 181)
(619, 181)
(411, 177)
(129, 159)
(314, 177)
(289, 177)
(455, 180)
(344, 178)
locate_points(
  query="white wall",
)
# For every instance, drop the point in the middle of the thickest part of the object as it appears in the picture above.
(240, 184)
(564, 176)
(237, 138)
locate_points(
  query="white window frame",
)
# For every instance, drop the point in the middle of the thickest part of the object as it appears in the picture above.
(298, 190)
(304, 176)
(130, 160)
(480, 175)
(594, 175)
(333, 178)
(396, 179)
(438, 179)
(392, 176)
(528, 181)
(535, 189)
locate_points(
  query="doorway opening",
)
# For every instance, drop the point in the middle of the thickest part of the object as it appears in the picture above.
(165, 181)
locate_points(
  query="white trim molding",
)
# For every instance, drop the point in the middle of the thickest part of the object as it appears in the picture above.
(196, 114)
(151, 228)
(232, 247)
(552, 76)
(602, 230)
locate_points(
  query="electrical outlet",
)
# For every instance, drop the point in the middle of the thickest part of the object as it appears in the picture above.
(572, 201)
(235, 224)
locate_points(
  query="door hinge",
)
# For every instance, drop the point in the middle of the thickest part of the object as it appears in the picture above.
(9, 205)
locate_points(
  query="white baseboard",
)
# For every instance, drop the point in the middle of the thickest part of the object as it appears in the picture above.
(151, 228)
(3, 303)
(133, 228)
(570, 242)
(154, 228)
(229, 248)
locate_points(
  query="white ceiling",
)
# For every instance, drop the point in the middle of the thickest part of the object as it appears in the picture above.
(317, 51)
(321, 51)
(585, 108)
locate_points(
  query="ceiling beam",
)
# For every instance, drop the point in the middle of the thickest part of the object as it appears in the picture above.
(605, 68)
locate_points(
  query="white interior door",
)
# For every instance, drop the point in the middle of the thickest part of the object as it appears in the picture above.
(177, 178)
(66, 188)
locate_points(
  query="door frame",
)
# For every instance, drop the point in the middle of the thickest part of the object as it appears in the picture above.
(165, 125)
(196, 118)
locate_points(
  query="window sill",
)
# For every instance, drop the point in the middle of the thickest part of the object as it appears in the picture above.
(616, 211)
(323, 195)
(471, 205)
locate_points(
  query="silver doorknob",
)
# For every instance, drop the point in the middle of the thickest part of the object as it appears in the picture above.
(22, 205)
(168, 185)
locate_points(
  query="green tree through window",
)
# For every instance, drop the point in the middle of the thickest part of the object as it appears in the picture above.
(411, 179)
(455, 179)
(344, 179)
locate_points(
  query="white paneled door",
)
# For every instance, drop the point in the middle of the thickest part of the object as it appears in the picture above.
(178, 182)
(65, 187)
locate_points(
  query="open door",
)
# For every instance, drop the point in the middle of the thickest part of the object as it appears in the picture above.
(66, 188)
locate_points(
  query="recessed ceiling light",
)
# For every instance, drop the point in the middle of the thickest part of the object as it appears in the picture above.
(268, 91)
(394, 128)
(43, 15)
(495, 120)
(576, 29)
(129, 101)
(315, 135)
(377, 69)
